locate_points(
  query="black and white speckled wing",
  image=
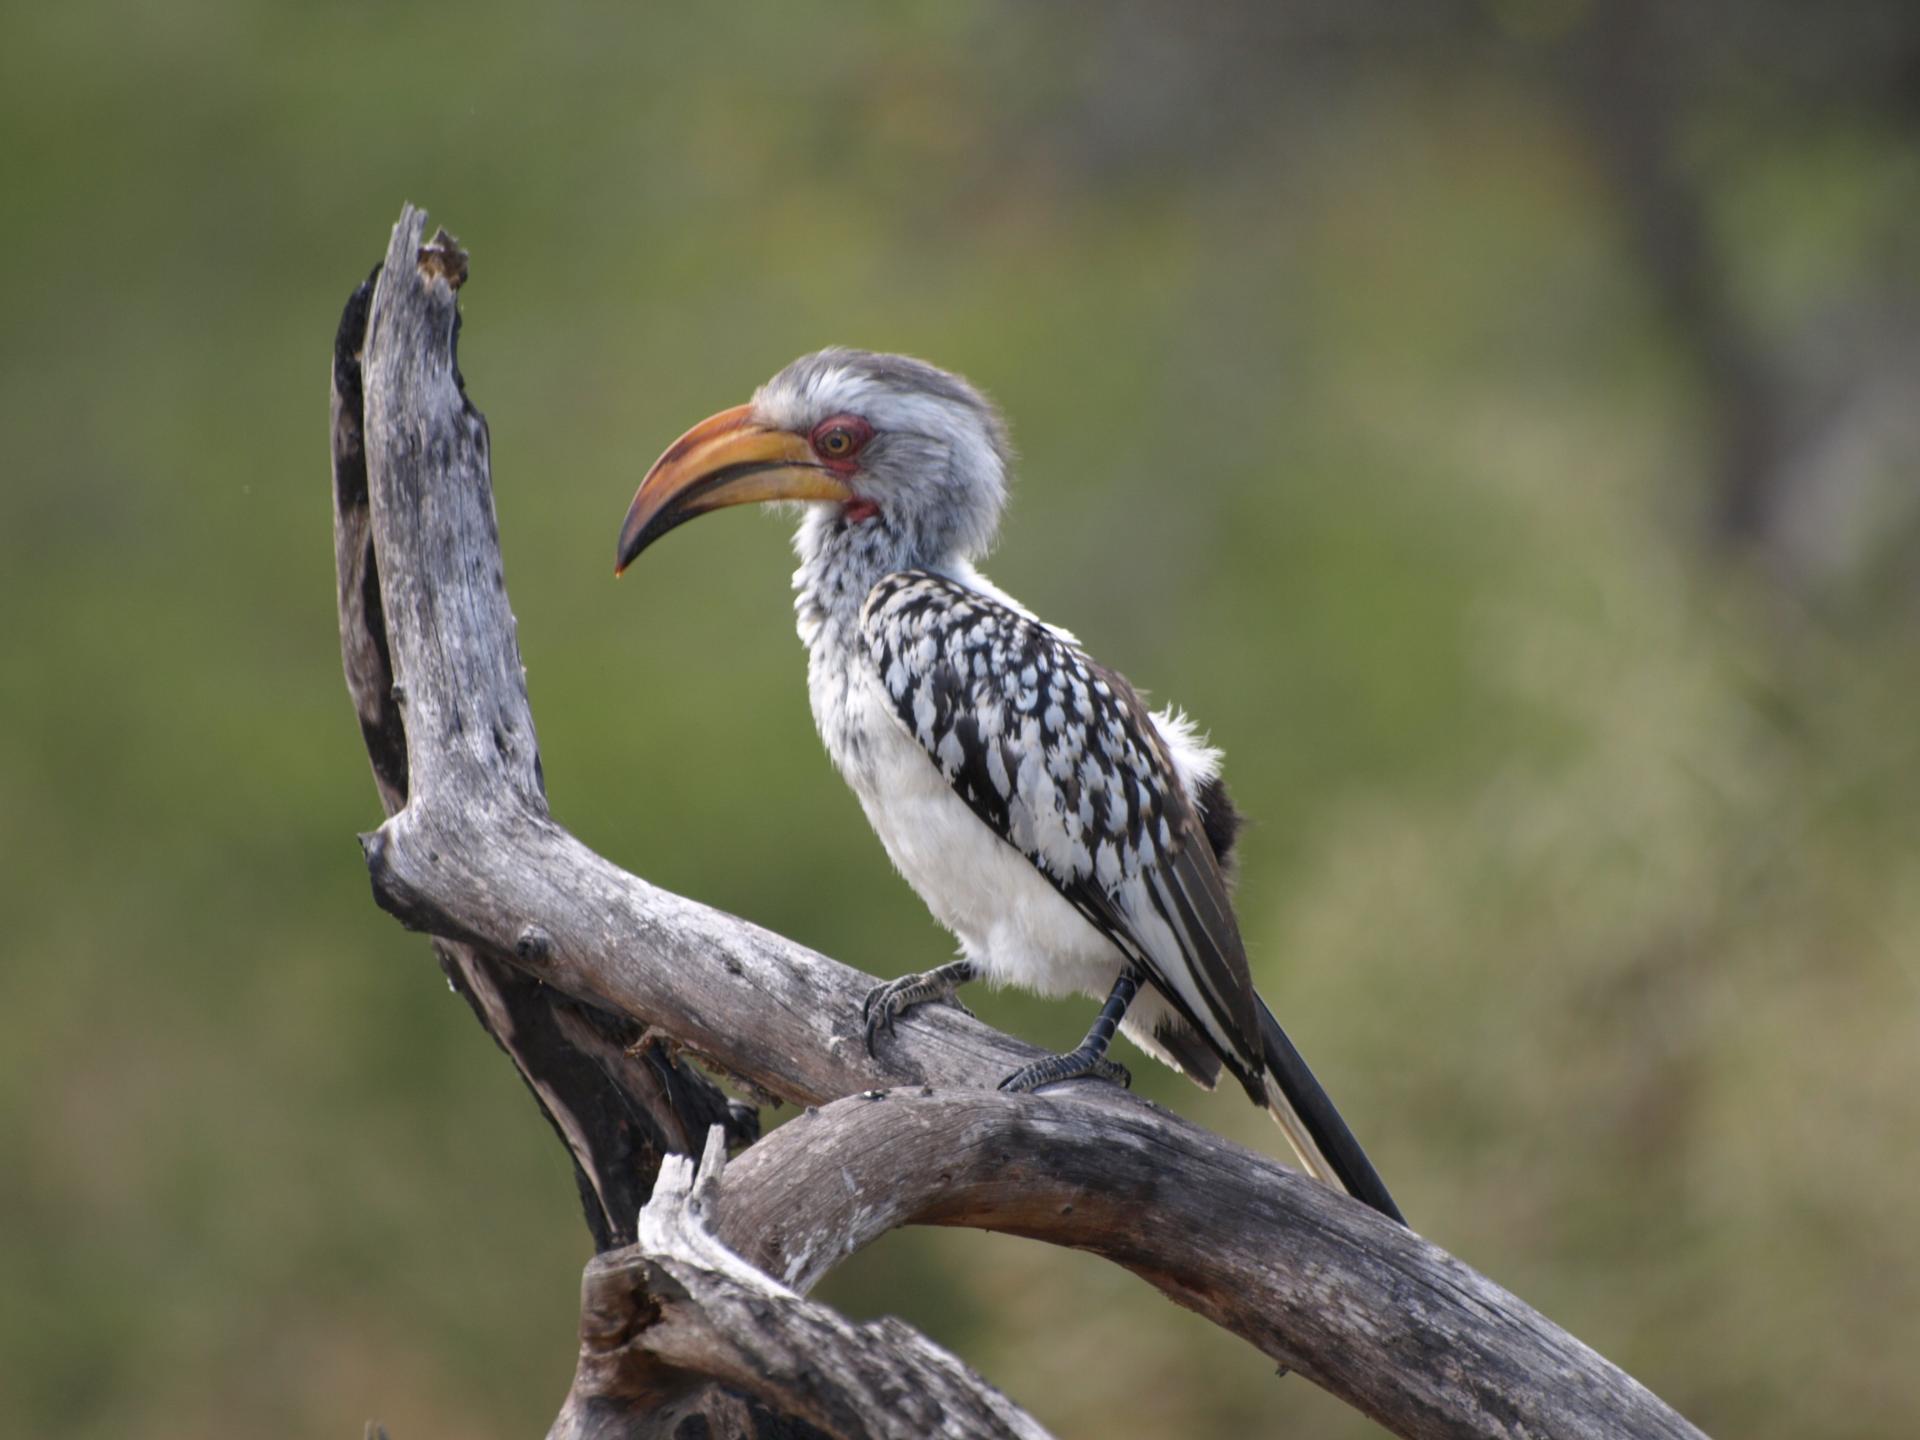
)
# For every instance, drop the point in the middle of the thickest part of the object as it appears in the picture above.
(1059, 757)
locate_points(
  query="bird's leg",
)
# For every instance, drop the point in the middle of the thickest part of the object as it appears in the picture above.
(883, 1002)
(1090, 1058)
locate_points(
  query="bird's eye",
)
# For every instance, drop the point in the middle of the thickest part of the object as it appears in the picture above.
(841, 437)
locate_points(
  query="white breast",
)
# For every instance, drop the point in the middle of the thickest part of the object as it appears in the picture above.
(1009, 919)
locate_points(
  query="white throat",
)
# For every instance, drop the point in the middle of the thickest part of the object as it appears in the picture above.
(840, 561)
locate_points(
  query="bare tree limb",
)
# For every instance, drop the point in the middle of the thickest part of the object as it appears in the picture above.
(1373, 1313)
(679, 1307)
(1369, 1310)
(615, 1108)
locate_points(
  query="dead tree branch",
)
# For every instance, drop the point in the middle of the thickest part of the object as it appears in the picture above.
(1378, 1316)
(617, 1108)
(679, 1307)
(1386, 1320)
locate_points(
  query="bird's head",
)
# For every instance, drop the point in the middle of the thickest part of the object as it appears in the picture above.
(886, 445)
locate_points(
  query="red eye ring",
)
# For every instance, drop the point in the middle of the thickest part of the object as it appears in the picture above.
(839, 438)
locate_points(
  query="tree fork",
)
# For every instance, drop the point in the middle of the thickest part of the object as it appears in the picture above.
(565, 957)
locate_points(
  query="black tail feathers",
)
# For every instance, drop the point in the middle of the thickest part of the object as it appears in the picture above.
(1319, 1136)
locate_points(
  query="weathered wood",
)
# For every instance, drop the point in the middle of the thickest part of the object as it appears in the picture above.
(1376, 1315)
(678, 1307)
(617, 1107)
(1385, 1319)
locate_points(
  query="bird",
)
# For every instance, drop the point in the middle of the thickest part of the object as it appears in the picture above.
(1071, 840)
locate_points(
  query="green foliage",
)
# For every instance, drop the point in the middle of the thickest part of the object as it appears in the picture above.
(1585, 867)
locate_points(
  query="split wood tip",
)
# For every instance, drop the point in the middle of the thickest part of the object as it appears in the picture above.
(442, 258)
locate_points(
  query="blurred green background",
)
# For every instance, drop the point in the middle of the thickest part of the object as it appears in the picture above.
(1495, 422)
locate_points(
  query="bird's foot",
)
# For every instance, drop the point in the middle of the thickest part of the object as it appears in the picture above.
(896, 997)
(1083, 1063)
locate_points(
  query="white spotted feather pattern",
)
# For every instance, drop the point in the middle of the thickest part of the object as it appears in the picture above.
(1059, 759)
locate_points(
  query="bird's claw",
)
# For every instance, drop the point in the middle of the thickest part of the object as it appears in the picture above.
(876, 1017)
(1073, 1066)
(883, 1003)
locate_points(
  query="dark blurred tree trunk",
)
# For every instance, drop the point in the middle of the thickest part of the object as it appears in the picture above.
(1627, 86)
(1157, 92)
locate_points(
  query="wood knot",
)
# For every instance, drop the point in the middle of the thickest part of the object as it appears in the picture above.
(533, 945)
(441, 258)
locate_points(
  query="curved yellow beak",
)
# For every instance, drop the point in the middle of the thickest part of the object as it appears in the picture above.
(724, 460)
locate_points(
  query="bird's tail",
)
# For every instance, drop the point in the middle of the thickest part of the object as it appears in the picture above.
(1305, 1115)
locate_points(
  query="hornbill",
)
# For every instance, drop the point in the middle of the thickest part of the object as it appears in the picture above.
(1070, 839)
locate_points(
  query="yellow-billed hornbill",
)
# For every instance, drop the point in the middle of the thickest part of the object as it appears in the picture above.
(1072, 841)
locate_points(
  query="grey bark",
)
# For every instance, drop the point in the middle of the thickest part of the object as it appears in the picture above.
(1376, 1315)
(1322, 1285)
(679, 1305)
(616, 1105)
